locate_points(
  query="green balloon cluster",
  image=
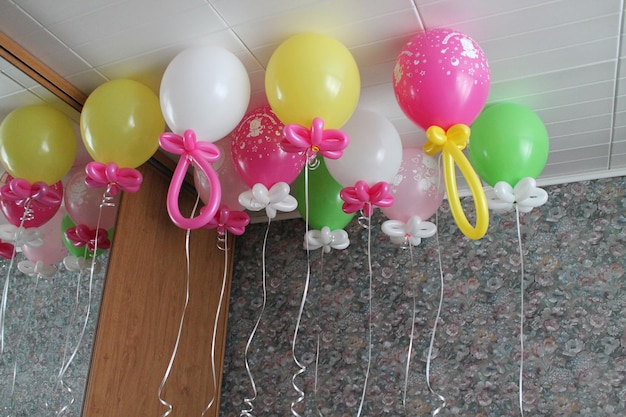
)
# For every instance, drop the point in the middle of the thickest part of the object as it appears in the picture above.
(508, 142)
(325, 204)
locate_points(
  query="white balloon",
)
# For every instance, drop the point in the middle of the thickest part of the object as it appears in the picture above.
(374, 153)
(206, 89)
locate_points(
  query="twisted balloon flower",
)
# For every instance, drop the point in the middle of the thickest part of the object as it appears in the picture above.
(20, 191)
(227, 220)
(112, 176)
(329, 143)
(326, 239)
(363, 197)
(525, 195)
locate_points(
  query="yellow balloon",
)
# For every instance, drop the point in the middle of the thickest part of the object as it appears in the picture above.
(37, 143)
(121, 122)
(312, 75)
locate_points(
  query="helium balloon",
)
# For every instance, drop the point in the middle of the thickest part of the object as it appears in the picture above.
(37, 143)
(256, 150)
(417, 189)
(231, 183)
(311, 75)
(508, 142)
(441, 78)
(206, 89)
(82, 203)
(374, 153)
(325, 203)
(121, 122)
(53, 249)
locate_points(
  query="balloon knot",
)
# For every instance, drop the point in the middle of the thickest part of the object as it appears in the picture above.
(315, 148)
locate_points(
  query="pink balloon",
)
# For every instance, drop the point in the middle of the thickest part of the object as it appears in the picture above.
(441, 78)
(83, 203)
(416, 189)
(53, 248)
(256, 150)
(41, 213)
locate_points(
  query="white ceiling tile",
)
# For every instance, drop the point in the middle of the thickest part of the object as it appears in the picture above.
(128, 17)
(50, 12)
(141, 39)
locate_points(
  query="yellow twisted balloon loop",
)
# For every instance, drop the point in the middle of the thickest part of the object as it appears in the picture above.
(451, 144)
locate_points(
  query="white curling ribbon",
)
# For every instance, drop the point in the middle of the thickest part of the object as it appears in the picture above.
(20, 236)
(37, 268)
(315, 239)
(275, 199)
(411, 232)
(526, 195)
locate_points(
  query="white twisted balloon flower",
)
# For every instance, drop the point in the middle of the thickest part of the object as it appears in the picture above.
(31, 236)
(411, 232)
(77, 264)
(37, 268)
(275, 199)
(526, 195)
(315, 239)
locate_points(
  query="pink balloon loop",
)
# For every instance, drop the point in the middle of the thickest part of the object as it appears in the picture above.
(233, 221)
(82, 235)
(330, 143)
(7, 250)
(363, 197)
(19, 191)
(112, 176)
(202, 154)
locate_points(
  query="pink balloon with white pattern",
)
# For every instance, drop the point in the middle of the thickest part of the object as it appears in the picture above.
(257, 153)
(441, 78)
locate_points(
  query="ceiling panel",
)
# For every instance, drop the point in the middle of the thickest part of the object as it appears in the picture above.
(562, 58)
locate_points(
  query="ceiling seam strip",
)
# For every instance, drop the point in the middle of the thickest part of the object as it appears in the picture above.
(616, 84)
(230, 28)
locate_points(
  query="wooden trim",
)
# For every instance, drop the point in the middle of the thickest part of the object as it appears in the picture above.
(41, 73)
(141, 308)
(60, 87)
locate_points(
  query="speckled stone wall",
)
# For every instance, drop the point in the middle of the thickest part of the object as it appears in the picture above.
(43, 325)
(575, 354)
(575, 316)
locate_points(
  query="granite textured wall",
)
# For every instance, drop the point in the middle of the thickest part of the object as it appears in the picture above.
(43, 327)
(574, 251)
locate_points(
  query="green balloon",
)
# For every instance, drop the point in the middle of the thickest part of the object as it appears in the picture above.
(324, 200)
(508, 142)
(82, 251)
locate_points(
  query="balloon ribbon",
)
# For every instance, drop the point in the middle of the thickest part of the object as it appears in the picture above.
(202, 154)
(450, 143)
(330, 143)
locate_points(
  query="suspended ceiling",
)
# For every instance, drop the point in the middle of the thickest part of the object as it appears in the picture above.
(562, 58)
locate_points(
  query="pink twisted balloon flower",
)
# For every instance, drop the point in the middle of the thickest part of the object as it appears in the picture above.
(363, 197)
(20, 191)
(330, 143)
(232, 221)
(112, 176)
(82, 235)
(202, 154)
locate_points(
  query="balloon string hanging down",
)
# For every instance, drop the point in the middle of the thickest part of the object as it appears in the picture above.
(450, 143)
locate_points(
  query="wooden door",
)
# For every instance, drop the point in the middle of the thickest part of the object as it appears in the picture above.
(143, 299)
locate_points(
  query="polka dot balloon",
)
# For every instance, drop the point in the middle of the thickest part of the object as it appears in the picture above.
(441, 78)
